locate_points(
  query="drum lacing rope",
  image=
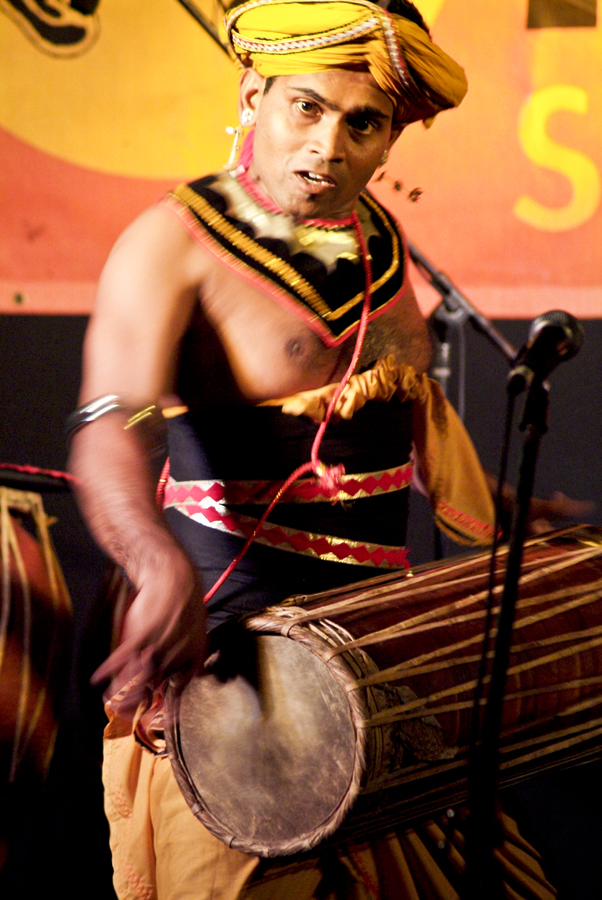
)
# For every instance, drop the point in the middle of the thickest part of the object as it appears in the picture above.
(328, 477)
(35, 470)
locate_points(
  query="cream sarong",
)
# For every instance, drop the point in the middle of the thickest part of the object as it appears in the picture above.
(162, 852)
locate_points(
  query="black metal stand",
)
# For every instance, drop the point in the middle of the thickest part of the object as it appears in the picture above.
(440, 320)
(457, 306)
(483, 875)
(205, 23)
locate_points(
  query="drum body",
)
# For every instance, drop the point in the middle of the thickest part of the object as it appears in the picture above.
(362, 697)
(35, 639)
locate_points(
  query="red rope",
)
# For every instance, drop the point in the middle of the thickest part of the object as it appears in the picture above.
(329, 477)
(160, 494)
(317, 466)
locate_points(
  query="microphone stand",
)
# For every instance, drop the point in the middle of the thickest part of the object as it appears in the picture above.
(455, 308)
(484, 878)
(205, 23)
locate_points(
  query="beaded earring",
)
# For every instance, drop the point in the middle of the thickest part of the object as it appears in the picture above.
(246, 118)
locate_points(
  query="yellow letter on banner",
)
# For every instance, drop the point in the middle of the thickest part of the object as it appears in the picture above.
(541, 149)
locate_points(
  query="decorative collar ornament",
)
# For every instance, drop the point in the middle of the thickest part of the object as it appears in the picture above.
(311, 267)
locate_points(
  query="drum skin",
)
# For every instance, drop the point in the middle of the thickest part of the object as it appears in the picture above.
(275, 739)
(349, 711)
(35, 643)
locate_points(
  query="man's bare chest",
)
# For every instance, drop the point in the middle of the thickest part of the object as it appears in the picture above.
(244, 343)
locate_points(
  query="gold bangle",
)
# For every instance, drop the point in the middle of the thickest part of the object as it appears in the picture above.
(149, 412)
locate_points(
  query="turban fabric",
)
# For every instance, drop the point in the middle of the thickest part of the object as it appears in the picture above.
(291, 37)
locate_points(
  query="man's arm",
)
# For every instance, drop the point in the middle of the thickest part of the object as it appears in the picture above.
(145, 298)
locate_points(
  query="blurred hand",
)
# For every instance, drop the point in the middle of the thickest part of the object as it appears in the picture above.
(545, 515)
(163, 633)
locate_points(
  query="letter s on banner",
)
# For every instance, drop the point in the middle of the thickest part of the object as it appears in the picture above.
(544, 151)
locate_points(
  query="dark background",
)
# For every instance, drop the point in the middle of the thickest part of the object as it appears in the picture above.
(62, 839)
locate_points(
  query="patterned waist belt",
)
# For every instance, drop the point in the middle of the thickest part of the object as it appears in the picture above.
(305, 490)
(210, 502)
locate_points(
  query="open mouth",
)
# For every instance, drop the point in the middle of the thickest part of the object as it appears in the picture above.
(316, 179)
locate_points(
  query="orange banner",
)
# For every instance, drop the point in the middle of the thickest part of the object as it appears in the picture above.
(101, 111)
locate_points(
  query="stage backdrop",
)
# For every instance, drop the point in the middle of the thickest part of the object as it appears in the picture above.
(106, 103)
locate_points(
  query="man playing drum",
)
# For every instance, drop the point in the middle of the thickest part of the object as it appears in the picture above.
(273, 300)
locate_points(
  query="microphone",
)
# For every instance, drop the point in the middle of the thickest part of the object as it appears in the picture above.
(552, 338)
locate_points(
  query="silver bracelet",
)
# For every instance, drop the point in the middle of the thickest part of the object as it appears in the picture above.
(109, 403)
(83, 415)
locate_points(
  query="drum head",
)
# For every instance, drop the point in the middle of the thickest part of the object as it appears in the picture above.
(265, 758)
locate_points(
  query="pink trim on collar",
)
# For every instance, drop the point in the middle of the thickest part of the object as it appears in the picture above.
(254, 191)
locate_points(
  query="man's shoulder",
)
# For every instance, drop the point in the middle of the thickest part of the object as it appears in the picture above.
(205, 182)
(380, 213)
(207, 188)
(205, 206)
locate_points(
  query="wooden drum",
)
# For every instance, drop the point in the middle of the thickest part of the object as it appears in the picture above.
(361, 697)
(35, 639)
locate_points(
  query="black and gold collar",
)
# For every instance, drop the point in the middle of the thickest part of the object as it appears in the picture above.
(313, 267)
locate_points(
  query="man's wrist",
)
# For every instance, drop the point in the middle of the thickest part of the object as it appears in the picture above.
(147, 421)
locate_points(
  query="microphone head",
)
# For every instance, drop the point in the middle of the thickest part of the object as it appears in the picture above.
(569, 331)
(553, 337)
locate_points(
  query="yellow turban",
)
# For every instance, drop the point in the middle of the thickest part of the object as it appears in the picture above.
(292, 37)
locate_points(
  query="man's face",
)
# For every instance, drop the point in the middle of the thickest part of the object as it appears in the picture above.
(319, 139)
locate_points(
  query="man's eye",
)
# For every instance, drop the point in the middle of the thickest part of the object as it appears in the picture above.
(362, 124)
(306, 106)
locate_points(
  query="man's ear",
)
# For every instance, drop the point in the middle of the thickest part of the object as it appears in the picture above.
(250, 92)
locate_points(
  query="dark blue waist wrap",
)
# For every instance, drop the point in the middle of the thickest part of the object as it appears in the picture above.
(246, 442)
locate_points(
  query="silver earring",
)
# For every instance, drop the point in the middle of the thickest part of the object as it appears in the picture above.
(245, 120)
(384, 158)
